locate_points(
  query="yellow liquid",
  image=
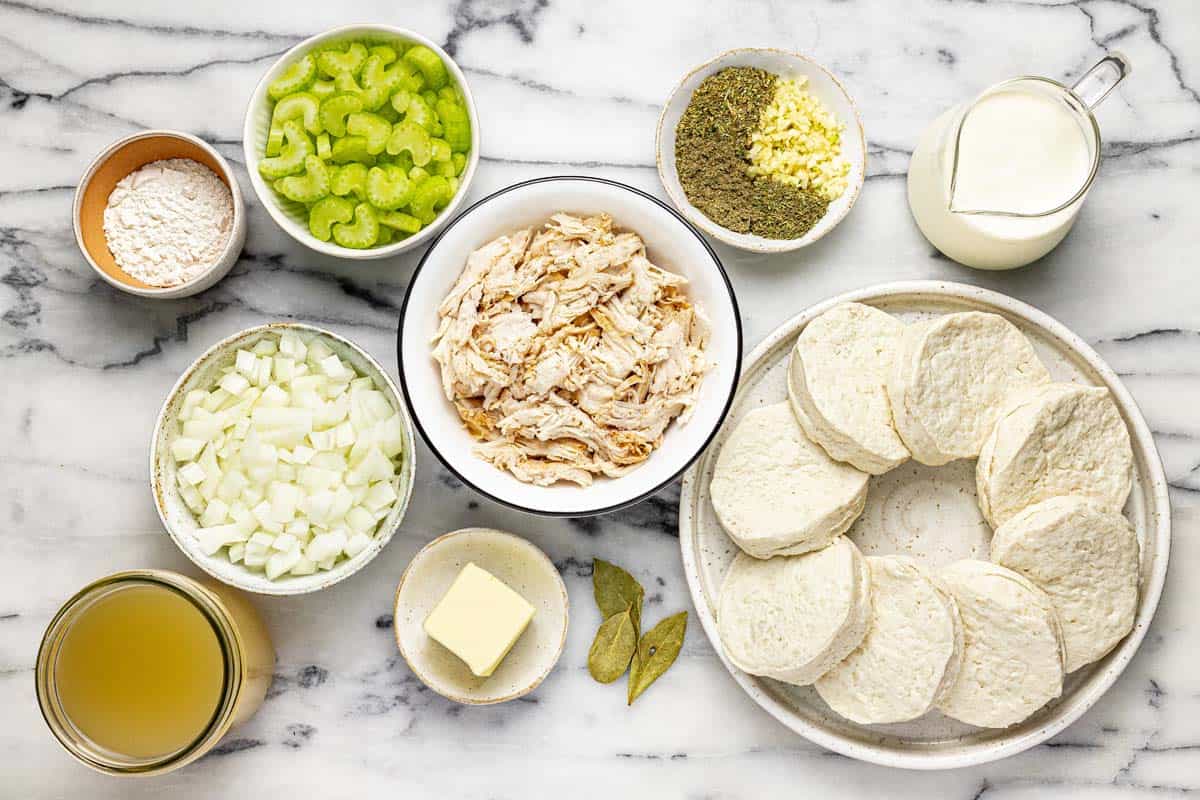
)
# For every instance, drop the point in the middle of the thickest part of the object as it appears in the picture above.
(140, 672)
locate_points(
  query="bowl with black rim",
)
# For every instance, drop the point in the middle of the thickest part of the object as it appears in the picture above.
(671, 243)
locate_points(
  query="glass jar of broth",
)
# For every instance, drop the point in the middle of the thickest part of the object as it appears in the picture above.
(144, 671)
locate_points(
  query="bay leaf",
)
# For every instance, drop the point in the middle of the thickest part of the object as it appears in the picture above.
(616, 591)
(613, 647)
(656, 652)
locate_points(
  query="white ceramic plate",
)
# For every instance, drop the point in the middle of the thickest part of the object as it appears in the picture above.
(931, 514)
(670, 243)
(516, 562)
(822, 84)
(178, 519)
(293, 217)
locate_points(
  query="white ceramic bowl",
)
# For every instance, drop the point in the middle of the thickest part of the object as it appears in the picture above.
(932, 514)
(292, 216)
(670, 242)
(118, 160)
(178, 519)
(516, 562)
(823, 85)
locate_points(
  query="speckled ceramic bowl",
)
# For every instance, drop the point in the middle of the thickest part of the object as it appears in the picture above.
(526, 570)
(823, 85)
(181, 523)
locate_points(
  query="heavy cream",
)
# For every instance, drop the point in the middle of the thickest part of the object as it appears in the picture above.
(1023, 149)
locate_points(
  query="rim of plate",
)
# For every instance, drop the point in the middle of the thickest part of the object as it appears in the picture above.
(1086, 696)
(721, 233)
(737, 368)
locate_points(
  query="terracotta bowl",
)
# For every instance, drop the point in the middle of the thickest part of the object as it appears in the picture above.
(118, 160)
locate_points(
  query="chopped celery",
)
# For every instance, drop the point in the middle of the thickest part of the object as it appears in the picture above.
(352, 148)
(431, 195)
(405, 223)
(439, 149)
(360, 234)
(420, 112)
(291, 157)
(350, 178)
(460, 163)
(430, 97)
(386, 54)
(301, 105)
(334, 111)
(309, 187)
(410, 137)
(372, 127)
(323, 89)
(388, 188)
(457, 125)
(400, 100)
(430, 65)
(324, 148)
(326, 212)
(333, 62)
(296, 78)
(418, 174)
(274, 139)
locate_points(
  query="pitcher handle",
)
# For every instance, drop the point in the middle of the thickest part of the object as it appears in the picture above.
(1101, 79)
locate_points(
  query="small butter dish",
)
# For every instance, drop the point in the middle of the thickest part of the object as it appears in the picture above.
(524, 569)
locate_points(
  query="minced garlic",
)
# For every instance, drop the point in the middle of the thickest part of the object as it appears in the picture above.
(799, 142)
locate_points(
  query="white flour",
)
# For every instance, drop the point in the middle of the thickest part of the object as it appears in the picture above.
(168, 221)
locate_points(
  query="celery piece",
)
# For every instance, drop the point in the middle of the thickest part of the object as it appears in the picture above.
(385, 235)
(300, 105)
(420, 112)
(352, 148)
(322, 89)
(443, 168)
(457, 125)
(431, 67)
(386, 54)
(439, 149)
(324, 147)
(334, 111)
(291, 157)
(430, 97)
(460, 163)
(418, 174)
(431, 195)
(362, 233)
(453, 184)
(388, 188)
(388, 113)
(274, 139)
(437, 129)
(350, 178)
(372, 127)
(449, 93)
(334, 62)
(309, 187)
(345, 82)
(411, 137)
(400, 100)
(327, 211)
(405, 223)
(403, 160)
(296, 78)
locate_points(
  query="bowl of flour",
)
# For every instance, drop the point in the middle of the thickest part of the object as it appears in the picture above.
(159, 214)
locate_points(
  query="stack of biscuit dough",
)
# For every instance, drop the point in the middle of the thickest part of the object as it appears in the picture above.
(886, 639)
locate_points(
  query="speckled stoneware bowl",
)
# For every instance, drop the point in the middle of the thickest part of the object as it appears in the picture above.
(178, 519)
(823, 85)
(931, 514)
(122, 157)
(526, 570)
(293, 217)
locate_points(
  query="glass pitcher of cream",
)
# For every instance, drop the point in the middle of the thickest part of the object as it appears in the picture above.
(997, 182)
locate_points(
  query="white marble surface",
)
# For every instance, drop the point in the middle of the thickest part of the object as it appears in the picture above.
(563, 87)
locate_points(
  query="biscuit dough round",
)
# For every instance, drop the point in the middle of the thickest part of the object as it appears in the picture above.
(1012, 662)
(776, 492)
(911, 654)
(836, 379)
(792, 618)
(951, 377)
(1062, 439)
(1086, 559)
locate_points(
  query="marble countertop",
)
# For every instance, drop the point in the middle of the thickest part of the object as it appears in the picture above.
(563, 87)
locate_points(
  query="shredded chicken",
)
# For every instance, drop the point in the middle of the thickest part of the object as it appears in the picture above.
(567, 353)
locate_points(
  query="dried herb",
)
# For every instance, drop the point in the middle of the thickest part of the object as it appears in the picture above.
(613, 647)
(656, 652)
(711, 144)
(616, 591)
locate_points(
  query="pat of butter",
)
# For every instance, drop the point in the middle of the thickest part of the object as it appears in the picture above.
(479, 619)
